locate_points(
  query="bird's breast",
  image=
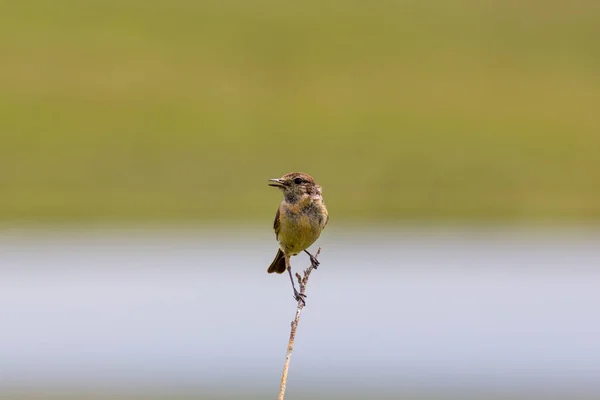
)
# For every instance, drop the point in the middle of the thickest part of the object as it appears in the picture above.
(299, 228)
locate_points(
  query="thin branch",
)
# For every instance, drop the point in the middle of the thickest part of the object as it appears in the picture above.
(302, 281)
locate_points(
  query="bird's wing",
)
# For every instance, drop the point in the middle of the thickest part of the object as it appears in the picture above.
(276, 224)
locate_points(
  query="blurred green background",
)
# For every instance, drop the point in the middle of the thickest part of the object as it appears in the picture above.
(417, 110)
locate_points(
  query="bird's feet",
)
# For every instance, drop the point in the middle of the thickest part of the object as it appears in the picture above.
(299, 297)
(313, 260)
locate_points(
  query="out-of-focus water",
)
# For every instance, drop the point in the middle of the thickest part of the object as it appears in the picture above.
(487, 309)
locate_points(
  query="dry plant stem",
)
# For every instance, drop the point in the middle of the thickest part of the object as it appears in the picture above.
(302, 281)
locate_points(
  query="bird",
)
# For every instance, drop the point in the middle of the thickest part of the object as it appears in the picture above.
(299, 221)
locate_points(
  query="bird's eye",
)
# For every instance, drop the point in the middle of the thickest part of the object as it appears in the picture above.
(298, 181)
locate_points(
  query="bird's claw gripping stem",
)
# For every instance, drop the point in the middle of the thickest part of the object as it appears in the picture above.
(299, 297)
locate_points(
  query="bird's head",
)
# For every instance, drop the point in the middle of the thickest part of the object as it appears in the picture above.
(296, 185)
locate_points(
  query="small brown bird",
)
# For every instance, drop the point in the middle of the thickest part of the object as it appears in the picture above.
(299, 220)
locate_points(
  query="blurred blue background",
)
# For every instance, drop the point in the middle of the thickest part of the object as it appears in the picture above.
(415, 312)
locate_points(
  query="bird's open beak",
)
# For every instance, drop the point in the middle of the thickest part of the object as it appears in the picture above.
(276, 183)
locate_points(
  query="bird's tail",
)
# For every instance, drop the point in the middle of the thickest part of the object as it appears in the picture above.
(278, 264)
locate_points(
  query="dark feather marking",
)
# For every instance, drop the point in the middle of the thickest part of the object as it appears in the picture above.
(278, 264)
(276, 224)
